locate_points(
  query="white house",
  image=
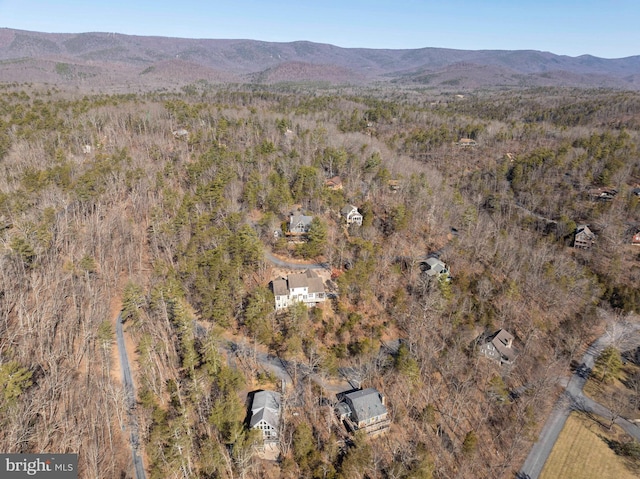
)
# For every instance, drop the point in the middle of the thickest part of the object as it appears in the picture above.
(352, 215)
(265, 414)
(306, 288)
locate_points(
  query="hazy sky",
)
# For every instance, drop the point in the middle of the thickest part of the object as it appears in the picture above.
(604, 28)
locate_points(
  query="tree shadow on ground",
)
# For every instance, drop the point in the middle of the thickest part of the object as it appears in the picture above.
(628, 450)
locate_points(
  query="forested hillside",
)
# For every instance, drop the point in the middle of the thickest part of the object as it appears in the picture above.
(106, 204)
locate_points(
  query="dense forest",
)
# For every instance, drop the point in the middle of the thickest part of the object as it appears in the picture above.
(164, 205)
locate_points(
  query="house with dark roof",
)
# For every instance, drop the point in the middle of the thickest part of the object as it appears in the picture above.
(352, 215)
(299, 223)
(584, 237)
(363, 409)
(499, 347)
(265, 414)
(306, 288)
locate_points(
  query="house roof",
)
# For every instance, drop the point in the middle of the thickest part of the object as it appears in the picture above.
(435, 266)
(297, 219)
(342, 409)
(333, 182)
(502, 341)
(348, 209)
(316, 285)
(584, 230)
(309, 279)
(603, 192)
(366, 403)
(265, 406)
(280, 287)
(298, 280)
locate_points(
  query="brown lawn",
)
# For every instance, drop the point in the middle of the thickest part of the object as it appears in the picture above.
(582, 452)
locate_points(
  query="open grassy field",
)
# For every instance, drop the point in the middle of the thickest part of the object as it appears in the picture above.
(582, 452)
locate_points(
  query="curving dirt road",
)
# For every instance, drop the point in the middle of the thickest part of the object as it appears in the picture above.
(625, 336)
(297, 266)
(289, 372)
(130, 394)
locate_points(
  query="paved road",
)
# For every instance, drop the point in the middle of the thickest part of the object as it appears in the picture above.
(130, 394)
(625, 336)
(589, 406)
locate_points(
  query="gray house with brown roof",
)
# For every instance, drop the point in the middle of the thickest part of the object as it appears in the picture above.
(306, 288)
(584, 237)
(363, 409)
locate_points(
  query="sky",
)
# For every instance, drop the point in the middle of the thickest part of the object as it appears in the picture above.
(603, 28)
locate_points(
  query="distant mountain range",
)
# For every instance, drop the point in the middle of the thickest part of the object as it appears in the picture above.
(107, 60)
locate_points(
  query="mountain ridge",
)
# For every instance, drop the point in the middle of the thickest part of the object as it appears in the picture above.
(251, 61)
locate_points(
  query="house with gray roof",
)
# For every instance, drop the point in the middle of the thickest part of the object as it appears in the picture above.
(434, 267)
(306, 288)
(499, 347)
(363, 409)
(299, 223)
(265, 414)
